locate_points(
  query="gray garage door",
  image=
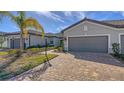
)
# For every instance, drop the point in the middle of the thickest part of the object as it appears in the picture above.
(122, 44)
(15, 43)
(88, 44)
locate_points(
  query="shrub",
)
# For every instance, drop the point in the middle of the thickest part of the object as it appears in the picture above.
(59, 49)
(35, 46)
(116, 49)
(12, 51)
(39, 46)
(122, 56)
(62, 44)
(15, 52)
(33, 50)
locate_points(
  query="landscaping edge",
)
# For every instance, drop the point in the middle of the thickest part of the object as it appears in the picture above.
(30, 72)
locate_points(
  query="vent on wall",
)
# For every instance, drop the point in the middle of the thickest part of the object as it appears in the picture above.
(85, 28)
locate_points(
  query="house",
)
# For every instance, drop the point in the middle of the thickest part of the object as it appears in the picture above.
(90, 35)
(34, 38)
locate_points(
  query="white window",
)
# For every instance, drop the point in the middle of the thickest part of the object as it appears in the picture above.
(51, 42)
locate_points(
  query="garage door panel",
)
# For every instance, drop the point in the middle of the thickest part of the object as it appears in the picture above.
(122, 44)
(15, 43)
(88, 44)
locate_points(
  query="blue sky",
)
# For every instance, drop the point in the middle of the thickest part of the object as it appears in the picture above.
(55, 21)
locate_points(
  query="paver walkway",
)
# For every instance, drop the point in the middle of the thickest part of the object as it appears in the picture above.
(83, 66)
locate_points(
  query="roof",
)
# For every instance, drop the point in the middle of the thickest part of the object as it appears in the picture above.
(111, 23)
(53, 34)
(2, 33)
(115, 22)
(18, 32)
(32, 32)
(12, 33)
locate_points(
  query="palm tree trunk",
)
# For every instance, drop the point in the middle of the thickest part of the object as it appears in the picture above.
(21, 40)
(46, 53)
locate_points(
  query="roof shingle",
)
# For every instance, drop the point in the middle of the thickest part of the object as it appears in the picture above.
(111, 23)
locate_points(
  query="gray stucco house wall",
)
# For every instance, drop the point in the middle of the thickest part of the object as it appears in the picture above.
(33, 39)
(90, 28)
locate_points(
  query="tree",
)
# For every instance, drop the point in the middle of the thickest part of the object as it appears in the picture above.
(23, 23)
(2, 39)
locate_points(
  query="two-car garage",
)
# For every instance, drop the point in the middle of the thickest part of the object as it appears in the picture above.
(90, 35)
(88, 44)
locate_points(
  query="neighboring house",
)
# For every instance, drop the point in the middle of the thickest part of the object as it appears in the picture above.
(90, 35)
(34, 38)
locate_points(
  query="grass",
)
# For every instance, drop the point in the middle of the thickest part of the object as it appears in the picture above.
(2, 59)
(23, 65)
(9, 52)
(40, 49)
(3, 53)
(30, 50)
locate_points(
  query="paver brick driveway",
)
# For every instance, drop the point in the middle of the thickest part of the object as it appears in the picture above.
(84, 66)
(81, 66)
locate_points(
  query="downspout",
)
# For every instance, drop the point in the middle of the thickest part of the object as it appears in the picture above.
(29, 40)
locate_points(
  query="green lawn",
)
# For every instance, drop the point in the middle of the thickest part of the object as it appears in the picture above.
(3, 53)
(23, 64)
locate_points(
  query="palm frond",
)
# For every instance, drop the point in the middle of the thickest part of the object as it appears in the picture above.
(31, 22)
(22, 14)
(2, 15)
(7, 14)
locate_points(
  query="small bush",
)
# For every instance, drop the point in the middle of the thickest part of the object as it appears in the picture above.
(121, 56)
(39, 46)
(116, 49)
(15, 52)
(35, 46)
(62, 44)
(12, 51)
(59, 49)
(35, 50)
(31, 51)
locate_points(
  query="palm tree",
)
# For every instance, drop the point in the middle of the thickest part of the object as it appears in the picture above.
(23, 24)
(2, 39)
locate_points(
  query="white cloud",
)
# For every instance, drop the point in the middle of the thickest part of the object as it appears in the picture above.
(50, 15)
(68, 13)
(78, 14)
(15, 27)
(122, 13)
(61, 28)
